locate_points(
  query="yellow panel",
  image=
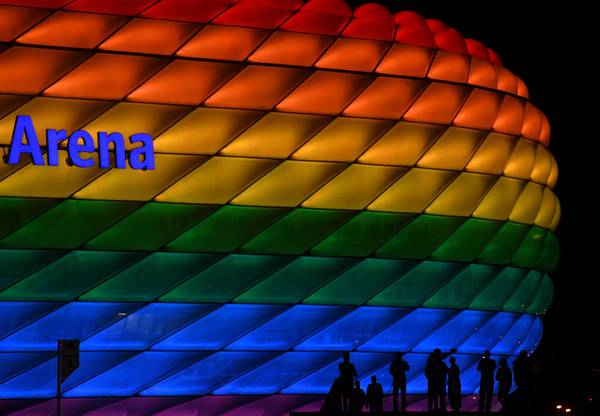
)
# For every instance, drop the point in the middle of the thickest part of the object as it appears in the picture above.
(138, 185)
(528, 205)
(6, 170)
(205, 131)
(276, 135)
(217, 181)
(53, 113)
(556, 218)
(461, 197)
(452, 150)
(553, 176)
(288, 184)
(343, 140)
(414, 191)
(500, 200)
(131, 118)
(49, 181)
(403, 144)
(355, 187)
(547, 209)
(492, 155)
(521, 160)
(543, 165)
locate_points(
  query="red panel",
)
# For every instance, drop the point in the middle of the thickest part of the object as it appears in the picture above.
(415, 35)
(480, 110)
(451, 40)
(371, 21)
(48, 4)
(436, 26)
(316, 22)
(16, 20)
(477, 49)
(339, 7)
(494, 57)
(126, 8)
(187, 10)
(253, 15)
(409, 18)
(438, 104)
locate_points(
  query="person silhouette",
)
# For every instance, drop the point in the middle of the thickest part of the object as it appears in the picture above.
(347, 374)
(375, 397)
(504, 378)
(332, 405)
(454, 387)
(398, 369)
(436, 372)
(358, 399)
(522, 375)
(486, 367)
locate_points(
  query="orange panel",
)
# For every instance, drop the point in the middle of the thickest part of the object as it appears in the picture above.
(510, 117)
(483, 74)
(30, 70)
(532, 122)
(150, 36)
(9, 102)
(325, 93)
(449, 66)
(288, 48)
(257, 87)
(386, 98)
(522, 90)
(506, 80)
(480, 110)
(545, 134)
(438, 104)
(16, 20)
(223, 42)
(106, 76)
(73, 30)
(185, 82)
(353, 55)
(406, 60)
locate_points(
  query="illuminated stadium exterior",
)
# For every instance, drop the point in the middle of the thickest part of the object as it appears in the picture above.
(324, 180)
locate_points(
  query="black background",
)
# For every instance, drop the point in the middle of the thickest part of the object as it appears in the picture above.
(551, 46)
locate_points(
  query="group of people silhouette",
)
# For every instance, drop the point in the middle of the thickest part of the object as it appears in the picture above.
(347, 396)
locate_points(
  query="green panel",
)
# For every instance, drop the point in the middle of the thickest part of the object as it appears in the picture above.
(226, 229)
(69, 276)
(463, 288)
(525, 293)
(151, 277)
(419, 238)
(495, 295)
(468, 241)
(361, 282)
(362, 234)
(17, 264)
(17, 211)
(297, 280)
(150, 227)
(226, 279)
(548, 260)
(297, 232)
(69, 224)
(544, 297)
(416, 286)
(530, 248)
(501, 249)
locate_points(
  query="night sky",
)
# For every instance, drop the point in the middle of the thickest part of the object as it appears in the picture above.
(550, 46)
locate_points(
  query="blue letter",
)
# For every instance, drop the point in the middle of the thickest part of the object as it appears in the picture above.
(24, 126)
(75, 148)
(104, 141)
(53, 137)
(146, 150)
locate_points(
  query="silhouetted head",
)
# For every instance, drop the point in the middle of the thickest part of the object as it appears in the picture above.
(399, 354)
(487, 354)
(437, 352)
(452, 360)
(346, 356)
(503, 362)
(357, 384)
(523, 354)
(373, 379)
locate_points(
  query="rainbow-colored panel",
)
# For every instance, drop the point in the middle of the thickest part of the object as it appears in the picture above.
(327, 180)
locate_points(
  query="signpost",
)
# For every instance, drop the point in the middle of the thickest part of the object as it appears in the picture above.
(68, 362)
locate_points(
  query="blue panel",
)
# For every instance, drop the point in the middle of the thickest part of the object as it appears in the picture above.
(289, 328)
(534, 337)
(135, 374)
(511, 343)
(211, 372)
(218, 328)
(453, 333)
(410, 330)
(490, 334)
(353, 329)
(40, 381)
(21, 313)
(13, 363)
(418, 385)
(416, 363)
(278, 373)
(142, 328)
(84, 319)
(320, 381)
